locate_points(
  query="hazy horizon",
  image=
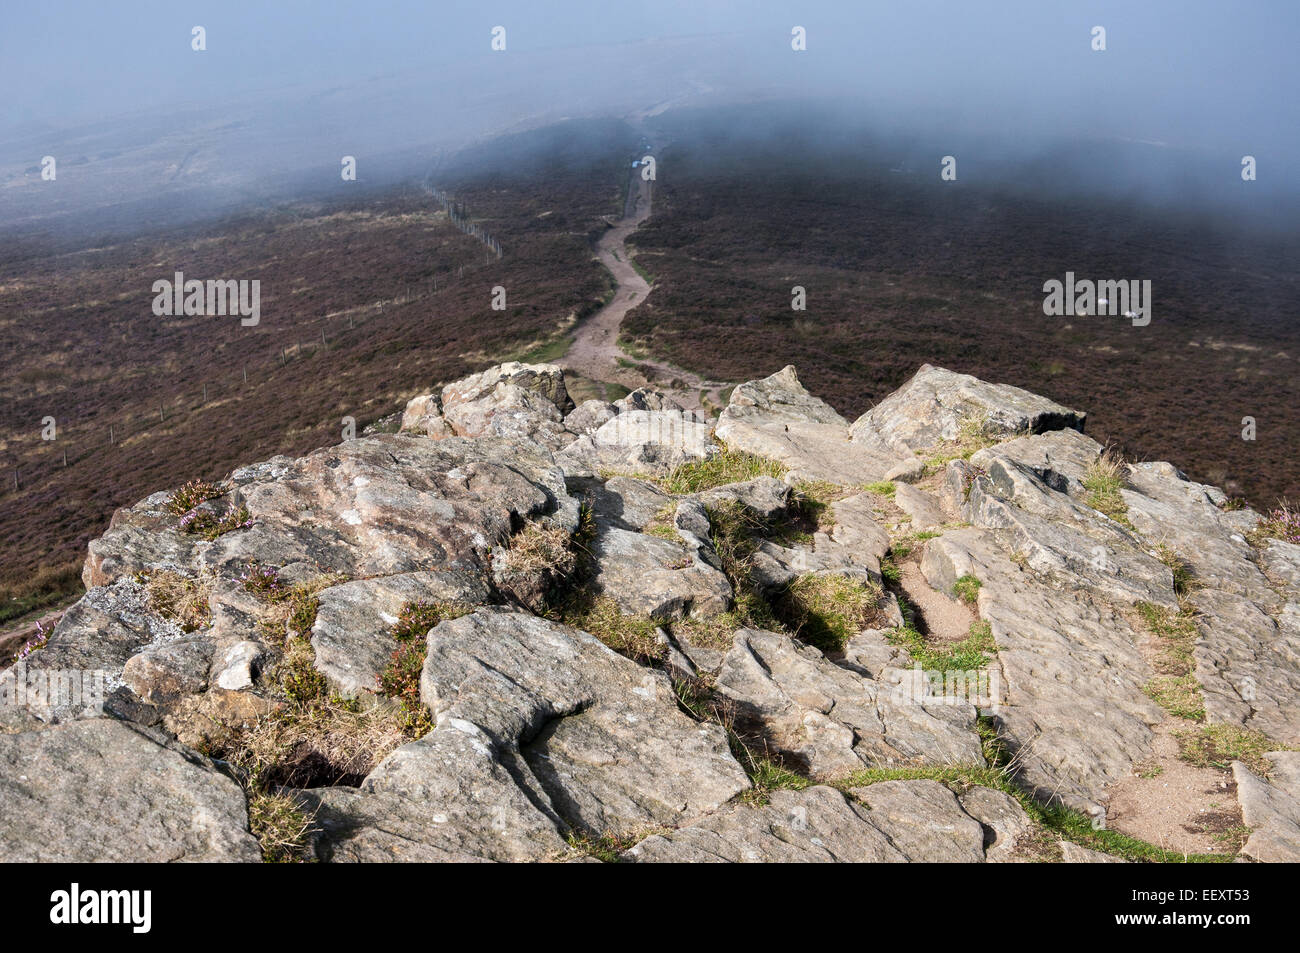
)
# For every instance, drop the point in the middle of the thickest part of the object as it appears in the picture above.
(287, 91)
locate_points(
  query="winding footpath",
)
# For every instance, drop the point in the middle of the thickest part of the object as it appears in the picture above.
(595, 353)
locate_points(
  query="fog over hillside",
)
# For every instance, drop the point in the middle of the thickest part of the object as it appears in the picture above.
(147, 131)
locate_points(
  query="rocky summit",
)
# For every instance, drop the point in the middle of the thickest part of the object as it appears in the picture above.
(516, 629)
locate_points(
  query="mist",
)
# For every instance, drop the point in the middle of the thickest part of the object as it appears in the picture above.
(146, 129)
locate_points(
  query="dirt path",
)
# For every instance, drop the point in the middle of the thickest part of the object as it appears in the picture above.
(595, 353)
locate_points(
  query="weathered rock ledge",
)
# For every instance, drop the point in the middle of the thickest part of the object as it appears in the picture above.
(552, 650)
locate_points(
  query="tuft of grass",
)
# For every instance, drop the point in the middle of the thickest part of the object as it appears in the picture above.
(889, 570)
(826, 610)
(967, 655)
(664, 523)
(729, 466)
(767, 776)
(633, 636)
(1174, 687)
(540, 548)
(733, 529)
(1103, 480)
(881, 488)
(1217, 746)
(812, 501)
(1181, 569)
(281, 827)
(902, 547)
(179, 599)
(610, 844)
(300, 682)
(1180, 695)
(325, 742)
(191, 495)
(967, 589)
(971, 438)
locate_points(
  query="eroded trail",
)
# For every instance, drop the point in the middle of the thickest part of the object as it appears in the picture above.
(595, 353)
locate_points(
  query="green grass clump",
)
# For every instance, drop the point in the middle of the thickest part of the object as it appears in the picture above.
(281, 827)
(1181, 569)
(300, 682)
(729, 466)
(1103, 480)
(967, 589)
(971, 438)
(1174, 687)
(664, 523)
(968, 655)
(1180, 695)
(811, 502)
(826, 610)
(902, 547)
(767, 776)
(630, 635)
(1217, 746)
(889, 570)
(881, 488)
(607, 847)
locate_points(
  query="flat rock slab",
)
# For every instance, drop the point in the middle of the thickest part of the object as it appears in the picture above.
(1271, 808)
(352, 635)
(890, 822)
(99, 790)
(662, 578)
(652, 442)
(1059, 536)
(777, 418)
(541, 730)
(931, 408)
(1071, 672)
(1248, 666)
(832, 721)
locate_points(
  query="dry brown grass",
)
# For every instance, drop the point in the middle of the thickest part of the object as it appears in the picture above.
(180, 599)
(539, 547)
(321, 743)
